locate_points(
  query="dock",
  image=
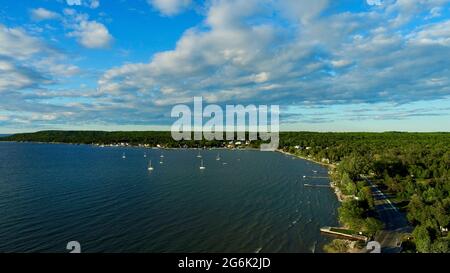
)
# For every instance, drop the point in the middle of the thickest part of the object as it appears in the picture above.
(316, 186)
(345, 233)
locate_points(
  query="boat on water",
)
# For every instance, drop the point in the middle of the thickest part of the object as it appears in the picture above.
(145, 155)
(218, 157)
(150, 167)
(123, 156)
(201, 165)
(199, 155)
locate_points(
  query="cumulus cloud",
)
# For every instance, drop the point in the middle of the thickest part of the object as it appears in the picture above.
(92, 34)
(14, 77)
(73, 2)
(374, 2)
(28, 66)
(15, 42)
(437, 34)
(297, 53)
(88, 33)
(27, 62)
(41, 14)
(170, 7)
(302, 10)
(239, 55)
(93, 4)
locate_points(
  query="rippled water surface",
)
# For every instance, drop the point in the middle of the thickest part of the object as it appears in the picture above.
(247, 201)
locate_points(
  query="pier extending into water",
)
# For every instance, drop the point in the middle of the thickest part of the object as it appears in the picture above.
(316, 186)
(345, 233)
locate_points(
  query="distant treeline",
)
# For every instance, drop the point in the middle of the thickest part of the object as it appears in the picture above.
(151, 138)
(414, 167)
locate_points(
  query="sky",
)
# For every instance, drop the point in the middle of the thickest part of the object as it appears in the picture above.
(351, 65)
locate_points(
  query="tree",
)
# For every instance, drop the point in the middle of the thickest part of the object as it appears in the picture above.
(373, 225)
(422, 239)
(440, 246)
(351, 215)
(365, 194)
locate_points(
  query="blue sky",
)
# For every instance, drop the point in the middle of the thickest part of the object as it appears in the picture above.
(355, 65)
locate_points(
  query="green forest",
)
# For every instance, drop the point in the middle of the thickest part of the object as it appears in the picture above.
(413, 167)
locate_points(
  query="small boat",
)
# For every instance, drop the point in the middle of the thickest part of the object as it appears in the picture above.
(145, 155)
(123, 156)
(199, 155)
(201, 166)
(150, 167)
(218, 157)
(161, 161)
(304, 176)
(161, 155)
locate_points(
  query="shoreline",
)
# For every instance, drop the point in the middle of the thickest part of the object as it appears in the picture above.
(330, 167)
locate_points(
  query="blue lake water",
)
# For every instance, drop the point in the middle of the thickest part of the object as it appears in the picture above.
(52, 194)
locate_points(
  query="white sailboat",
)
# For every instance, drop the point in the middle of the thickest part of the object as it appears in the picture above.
(161, 155)
(218, 157)
(123, 156)
(145, 155)
(199, 155)
(201, 166)
(150, 167)
(161, 161)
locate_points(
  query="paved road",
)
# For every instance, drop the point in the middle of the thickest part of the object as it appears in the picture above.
(395, 221)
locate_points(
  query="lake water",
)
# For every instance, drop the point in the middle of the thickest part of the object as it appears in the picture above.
(52, 194)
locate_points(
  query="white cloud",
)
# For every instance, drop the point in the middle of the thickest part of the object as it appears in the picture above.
(434, 12)
(15, 42)
(73, 2)
(374, 2)
(433, 34)
(92, 34)
(88, 33)
(261, 77)
(28, 62)
(241, 55)
(299, 53)
(93, 4)
(13, 77)
(303, 10)
(340, 63)
(40, 14)
(170, 7)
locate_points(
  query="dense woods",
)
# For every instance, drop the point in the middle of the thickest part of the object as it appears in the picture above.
(413, 167)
